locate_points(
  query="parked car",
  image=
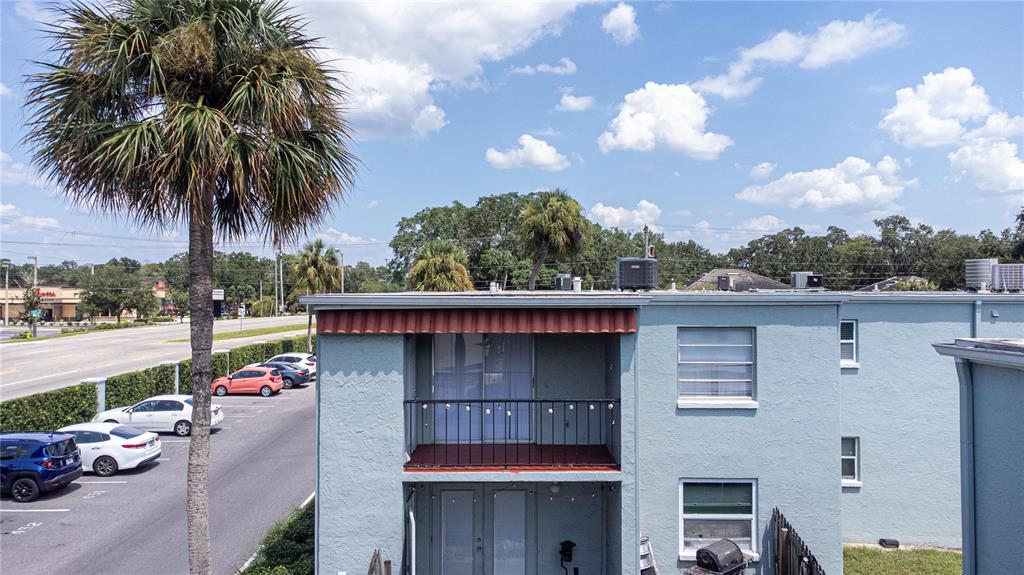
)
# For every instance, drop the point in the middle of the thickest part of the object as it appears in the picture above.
(34, 463)
(109, 447)
(265, 381)
(306, 360)
(291, 373)
(160, 413)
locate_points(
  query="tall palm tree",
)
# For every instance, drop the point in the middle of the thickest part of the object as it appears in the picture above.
(440, 266)
(314, 270)
(215, 114)
(552, 225)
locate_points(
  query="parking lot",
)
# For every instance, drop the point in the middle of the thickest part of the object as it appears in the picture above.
(261, 468)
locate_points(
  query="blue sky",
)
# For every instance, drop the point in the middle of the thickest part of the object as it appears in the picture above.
(711, 121)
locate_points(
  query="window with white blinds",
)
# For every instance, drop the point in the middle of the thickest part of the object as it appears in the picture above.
(848, 342)
(710, 510)
(716, 362)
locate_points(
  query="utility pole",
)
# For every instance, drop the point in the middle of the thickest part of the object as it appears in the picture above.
(277, 310)
(341, 267)
(35, 270)
(7, 293)
(280, 278)
(647, 241)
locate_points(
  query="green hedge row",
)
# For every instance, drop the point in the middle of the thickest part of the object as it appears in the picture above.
(49, 410)
(53, 409)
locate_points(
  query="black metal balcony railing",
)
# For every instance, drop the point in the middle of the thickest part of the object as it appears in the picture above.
(511, 432)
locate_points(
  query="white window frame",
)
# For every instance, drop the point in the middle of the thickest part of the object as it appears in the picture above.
(855, 480)
(855, 362)
(719, 401)
(752, 553)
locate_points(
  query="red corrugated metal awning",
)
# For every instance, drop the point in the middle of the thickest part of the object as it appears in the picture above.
(473, 320)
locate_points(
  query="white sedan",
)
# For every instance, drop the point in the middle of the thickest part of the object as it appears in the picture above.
(109, 447)
(305, 360)
(160, 413)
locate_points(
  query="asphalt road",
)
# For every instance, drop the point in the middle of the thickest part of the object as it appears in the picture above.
(133, 523)
(35, 366)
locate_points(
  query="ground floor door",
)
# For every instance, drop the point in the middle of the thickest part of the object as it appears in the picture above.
(483, 530)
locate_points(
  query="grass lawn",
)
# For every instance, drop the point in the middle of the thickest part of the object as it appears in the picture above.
(250, 332)
(873, 561)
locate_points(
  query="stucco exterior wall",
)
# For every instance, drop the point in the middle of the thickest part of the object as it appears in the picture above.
(903, 404)
(998, 466)
(789, 444)
(360, 451)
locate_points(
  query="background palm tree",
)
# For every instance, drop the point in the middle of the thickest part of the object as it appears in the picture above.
(314, 270)
(215, 114)
(440, 265)
(552, 225)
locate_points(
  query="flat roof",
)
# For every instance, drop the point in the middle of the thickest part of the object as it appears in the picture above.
(614, 298)
(1003, 352)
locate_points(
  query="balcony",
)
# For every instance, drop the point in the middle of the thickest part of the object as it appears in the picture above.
(512, 433)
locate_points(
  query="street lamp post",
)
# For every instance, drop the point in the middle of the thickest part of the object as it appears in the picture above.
(7, 295)
(35, 270)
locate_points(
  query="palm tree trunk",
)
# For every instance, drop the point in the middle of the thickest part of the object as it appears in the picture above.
(537, 264)
(200, 303)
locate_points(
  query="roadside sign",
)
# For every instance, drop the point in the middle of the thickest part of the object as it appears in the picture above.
(218, 294)
(37, 313)
(241, 311)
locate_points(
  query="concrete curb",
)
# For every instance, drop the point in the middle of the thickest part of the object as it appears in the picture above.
(252, 557)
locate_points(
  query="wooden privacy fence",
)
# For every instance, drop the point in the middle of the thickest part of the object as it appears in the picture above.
(792, 556)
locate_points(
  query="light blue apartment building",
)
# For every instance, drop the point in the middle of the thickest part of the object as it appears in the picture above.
(991, 373)
(486, 433)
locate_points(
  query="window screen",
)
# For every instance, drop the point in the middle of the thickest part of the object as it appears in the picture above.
(716, 362)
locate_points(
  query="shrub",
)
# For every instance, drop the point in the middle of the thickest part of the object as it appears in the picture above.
(288, 545)
(134, 386)
(49, 410)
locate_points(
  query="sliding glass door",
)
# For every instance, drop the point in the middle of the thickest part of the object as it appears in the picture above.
(479, 374)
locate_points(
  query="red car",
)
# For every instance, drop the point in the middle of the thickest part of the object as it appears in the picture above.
(262, 380)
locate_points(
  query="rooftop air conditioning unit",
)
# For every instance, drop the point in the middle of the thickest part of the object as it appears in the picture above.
(979, 273)
(806, 280)
(563, 282)
(636, 273)
(1008, 277)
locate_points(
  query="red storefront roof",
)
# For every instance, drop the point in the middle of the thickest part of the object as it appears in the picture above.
(477, 320)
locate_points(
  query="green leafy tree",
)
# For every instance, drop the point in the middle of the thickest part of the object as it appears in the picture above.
(32, 302)
(214, 114)
(552, 225)
(314, 270)
(440, 266)
(364, 278)
(115, 290)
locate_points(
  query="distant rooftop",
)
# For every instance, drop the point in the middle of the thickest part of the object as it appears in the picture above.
(891, 283)
(744, 280)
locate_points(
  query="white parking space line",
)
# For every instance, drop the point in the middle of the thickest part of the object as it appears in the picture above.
(175, 440)
(34, 510)
(100, 482)
(163, 459)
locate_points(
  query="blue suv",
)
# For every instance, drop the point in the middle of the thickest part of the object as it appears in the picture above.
(33, 463)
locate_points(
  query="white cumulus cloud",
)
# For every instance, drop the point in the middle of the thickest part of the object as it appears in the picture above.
(991, 164)
(4, 90)
(837, 41)
(531, 153)
(620, 22)
(998, 125)
(669, 115)
(14, 173)
(572, 103)
(645, 213)
(853, 185)
(762, 170)
(397, 55)
(564, 67)
(14, 220)
(932, 113)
